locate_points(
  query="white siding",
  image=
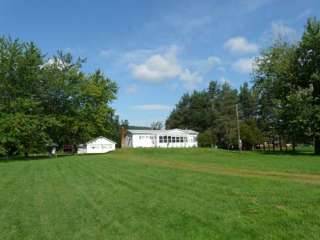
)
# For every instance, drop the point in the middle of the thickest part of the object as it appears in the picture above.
(98, 145)
(175, 138)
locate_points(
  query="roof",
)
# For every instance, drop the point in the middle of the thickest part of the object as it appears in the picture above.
(163, 131)
(92, 140)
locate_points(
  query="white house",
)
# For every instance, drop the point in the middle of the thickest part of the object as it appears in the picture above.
(174, 138)
(97, 145)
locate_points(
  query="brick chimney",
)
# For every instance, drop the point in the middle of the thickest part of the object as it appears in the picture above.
(123, 134)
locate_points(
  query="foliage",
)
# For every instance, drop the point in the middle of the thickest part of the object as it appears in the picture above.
(287, 80)
(156, 125)
(250, 134)
(45, 100)
(206, 139)
(213, 114)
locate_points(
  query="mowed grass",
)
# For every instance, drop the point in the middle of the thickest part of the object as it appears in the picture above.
(162, 194)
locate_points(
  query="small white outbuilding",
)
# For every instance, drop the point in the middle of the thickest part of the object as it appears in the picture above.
(97, 145)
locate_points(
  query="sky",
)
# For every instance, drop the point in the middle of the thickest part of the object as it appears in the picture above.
(158, 50)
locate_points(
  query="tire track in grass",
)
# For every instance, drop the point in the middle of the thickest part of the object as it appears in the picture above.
(273, 179)
(21, 216)
(137, 207)
(140, 178)
(192, 212)
(96, 221)
(241, 172)
(10, 195)
(55, 219)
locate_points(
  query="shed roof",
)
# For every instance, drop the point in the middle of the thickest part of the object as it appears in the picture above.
(92, 140)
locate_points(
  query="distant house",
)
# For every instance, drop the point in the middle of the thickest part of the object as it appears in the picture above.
(97, 145)
(174, 138)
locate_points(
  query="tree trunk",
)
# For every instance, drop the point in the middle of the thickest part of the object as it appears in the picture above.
(273, 145)
(317, 145)
(293, 145)
(286, 147)
(280, 143)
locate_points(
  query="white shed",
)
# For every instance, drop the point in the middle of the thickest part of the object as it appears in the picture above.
(97, 145)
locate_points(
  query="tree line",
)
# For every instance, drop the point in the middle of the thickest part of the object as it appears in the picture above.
(50, 100)
(282, 105)
(47, 100)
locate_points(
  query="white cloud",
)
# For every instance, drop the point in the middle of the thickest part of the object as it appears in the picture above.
(224, 80)
(190, 79)
(188, 24)
(252, 5)
(106, 53)
(282, 31)
(138, 55)
(158, 67)
(213, 60)
(240, 45)
(131, 89)
(244, 65)
(152, 107)
(163, 65)
(203, 66)
(304, 14)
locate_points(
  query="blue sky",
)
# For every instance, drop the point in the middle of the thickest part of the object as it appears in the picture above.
(158, 50)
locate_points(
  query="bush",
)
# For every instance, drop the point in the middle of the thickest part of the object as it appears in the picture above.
(206, 139)
(250, 134)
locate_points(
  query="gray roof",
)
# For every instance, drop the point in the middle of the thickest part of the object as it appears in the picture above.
(162, 131)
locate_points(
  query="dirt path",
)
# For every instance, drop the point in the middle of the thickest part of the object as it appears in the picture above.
(215, 169)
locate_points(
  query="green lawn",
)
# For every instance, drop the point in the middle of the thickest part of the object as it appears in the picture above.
(162, 194)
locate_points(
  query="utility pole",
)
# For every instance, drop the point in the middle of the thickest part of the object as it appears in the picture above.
(238, 128)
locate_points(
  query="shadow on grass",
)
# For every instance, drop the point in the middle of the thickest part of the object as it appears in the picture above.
(45, 157)
(32, 158)
(287, 153)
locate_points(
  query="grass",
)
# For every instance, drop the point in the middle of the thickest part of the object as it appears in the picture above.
(162, 194)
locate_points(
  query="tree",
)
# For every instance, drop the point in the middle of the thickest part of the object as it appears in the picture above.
(250, 134)
(247, 102)
(46, 100)
(211, 112)
(274, 82)
(225, 123)
(191, 112)
(156, 125)
(308, 74)
(206, 139)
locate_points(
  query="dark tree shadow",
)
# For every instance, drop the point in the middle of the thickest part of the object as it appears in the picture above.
(32, 158)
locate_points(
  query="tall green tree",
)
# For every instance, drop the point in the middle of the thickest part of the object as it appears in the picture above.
(308, 74)
(45, 100)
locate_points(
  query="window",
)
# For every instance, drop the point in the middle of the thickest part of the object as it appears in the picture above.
(169, 139)
(165, 139)
(173, 139)
(161, 139)
(185, 139)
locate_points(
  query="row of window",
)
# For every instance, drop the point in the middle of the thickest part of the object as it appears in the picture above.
(146, 137)
(171, 139)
